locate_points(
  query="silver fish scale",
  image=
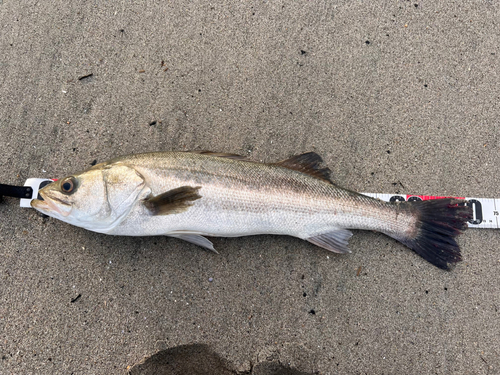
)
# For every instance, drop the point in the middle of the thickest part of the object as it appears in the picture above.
(243, 198)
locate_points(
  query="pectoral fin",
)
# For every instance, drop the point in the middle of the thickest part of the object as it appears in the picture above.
(173, 201)
(335, 241)
(197, 240)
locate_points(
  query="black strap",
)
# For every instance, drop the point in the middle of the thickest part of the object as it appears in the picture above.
(16, 191)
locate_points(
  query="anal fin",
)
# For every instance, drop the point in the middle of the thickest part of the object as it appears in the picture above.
(195, 239)
(336, 240)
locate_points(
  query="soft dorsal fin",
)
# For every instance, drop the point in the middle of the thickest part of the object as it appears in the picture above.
(308, 163)
(220, 155)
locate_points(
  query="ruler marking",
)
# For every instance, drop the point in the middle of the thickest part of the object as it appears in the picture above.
(495, 207)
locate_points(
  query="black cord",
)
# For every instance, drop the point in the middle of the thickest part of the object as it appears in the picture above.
(16, 191)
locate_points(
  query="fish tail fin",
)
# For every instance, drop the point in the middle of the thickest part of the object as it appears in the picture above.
(439, 221)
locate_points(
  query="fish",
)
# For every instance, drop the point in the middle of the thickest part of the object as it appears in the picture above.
(190, 195)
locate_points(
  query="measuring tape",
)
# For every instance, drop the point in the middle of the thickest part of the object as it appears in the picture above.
(485, 210)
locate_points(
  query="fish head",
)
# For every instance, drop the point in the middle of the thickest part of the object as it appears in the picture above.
(96, 199)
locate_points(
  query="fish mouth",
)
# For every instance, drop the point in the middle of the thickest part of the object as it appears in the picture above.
(39, 205)
(49, 206)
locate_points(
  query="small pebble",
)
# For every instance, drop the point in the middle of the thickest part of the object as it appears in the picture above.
(210, 279)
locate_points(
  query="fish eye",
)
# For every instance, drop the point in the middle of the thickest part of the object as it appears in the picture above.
(68, 185)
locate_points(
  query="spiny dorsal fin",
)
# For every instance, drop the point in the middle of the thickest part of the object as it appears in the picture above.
(308, 163)
(221, 155)
(173, 201)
